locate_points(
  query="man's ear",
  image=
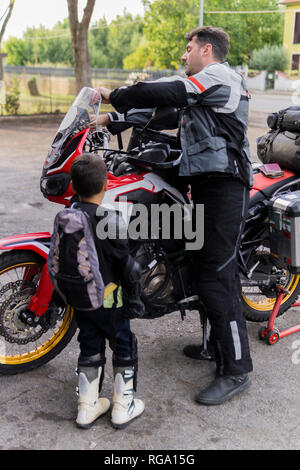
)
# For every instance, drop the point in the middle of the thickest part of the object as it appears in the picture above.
(105, 186)
(208, 49)
(72, 187)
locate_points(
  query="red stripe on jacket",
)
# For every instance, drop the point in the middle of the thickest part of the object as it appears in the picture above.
(193, 79)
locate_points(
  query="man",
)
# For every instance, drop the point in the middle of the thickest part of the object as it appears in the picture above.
(213, 108)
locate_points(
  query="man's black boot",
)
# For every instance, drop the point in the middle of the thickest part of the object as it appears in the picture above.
(197, 351)
(223, 388)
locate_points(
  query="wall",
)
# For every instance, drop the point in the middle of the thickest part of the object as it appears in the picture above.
(258, 82)
(289, 25)
(284, 83)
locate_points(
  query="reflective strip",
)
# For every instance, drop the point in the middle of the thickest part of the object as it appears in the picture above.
(198, 84)
(109, 289)
(236, 340)
(109, 297)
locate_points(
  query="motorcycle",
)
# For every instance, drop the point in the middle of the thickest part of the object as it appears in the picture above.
(34, 328)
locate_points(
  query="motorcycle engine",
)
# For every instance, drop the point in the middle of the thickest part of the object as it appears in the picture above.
(156, 281)
(162, 282)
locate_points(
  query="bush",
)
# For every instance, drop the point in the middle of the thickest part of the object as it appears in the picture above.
(12, 98)
(270, 58)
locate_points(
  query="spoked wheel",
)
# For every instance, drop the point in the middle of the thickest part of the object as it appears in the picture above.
(258, 301)
(24, 347)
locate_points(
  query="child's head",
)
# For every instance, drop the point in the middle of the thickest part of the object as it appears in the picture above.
(88, 175)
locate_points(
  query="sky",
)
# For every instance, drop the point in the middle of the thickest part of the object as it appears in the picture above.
(49, 12)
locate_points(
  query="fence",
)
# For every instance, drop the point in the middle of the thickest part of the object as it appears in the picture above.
(52, 89)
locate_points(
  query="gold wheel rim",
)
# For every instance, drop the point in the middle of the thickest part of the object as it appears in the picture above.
(51, 342)
(268, 303)
(44, 348)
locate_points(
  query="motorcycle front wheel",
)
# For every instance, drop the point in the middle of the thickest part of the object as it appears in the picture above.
(24, 347)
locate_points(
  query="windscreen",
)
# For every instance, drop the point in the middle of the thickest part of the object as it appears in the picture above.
(84, 109)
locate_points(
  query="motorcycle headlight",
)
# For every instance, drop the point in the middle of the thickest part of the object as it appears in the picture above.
(55, 185)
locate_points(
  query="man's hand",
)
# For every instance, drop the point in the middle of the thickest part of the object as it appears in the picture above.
(103, 120)
(105, 94)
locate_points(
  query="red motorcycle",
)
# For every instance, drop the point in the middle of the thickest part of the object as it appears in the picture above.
(34, 329)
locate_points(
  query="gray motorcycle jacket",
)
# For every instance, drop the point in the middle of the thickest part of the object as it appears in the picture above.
(213, 109)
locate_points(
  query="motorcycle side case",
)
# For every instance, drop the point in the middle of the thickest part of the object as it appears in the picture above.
(284, 226)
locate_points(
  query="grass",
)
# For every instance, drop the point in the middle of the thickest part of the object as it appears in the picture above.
(46, 104)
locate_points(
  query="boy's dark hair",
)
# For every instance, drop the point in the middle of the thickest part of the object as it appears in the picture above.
(88, 174)
(217, 37)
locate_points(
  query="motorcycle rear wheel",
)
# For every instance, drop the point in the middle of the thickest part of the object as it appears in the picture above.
(23, 348)
(258, 307)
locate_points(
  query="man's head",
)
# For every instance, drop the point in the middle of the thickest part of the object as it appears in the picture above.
(88, 175)
(206, 45)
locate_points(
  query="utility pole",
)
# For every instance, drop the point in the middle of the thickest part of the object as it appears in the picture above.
(35, 49)
(201, 13)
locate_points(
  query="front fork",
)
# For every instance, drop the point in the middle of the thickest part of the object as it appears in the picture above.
(39, 302)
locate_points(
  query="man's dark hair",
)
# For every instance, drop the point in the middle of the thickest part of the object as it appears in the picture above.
(217, 37)
(88, 174)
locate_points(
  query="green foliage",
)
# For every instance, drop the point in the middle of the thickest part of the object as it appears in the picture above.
(18, 51)
(142, 58)
(12, 97)
(98, 44)
(166, 22)
(109, 44)
(124, 36)
(270, 58)
(40, 45)
(155, 41)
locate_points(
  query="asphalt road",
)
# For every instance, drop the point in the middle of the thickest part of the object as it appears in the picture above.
(271, 102)
(37, 409)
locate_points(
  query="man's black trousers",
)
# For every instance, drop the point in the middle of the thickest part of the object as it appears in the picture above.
(225, 202)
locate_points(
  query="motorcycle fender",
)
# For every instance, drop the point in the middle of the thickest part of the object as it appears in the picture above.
(37, 242)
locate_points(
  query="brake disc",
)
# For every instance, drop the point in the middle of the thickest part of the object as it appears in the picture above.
(12, 328)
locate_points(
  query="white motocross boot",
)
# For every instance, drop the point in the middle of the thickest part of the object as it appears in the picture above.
(90, 405)
(125, 406)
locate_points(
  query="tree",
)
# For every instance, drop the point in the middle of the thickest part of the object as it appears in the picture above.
(166, 22)
(40, 46)
(6, 16)
(124, 36)
(79, 39)
(141, 58)
(19, 52)
(98, 44)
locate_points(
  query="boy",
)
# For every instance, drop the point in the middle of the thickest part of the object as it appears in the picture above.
(89, 182)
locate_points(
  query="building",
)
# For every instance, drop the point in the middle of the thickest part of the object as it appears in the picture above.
(291, 39)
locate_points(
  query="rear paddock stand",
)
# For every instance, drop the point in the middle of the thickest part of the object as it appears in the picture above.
(270, 334)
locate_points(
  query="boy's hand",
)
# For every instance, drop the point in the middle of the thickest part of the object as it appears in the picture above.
(105, 94)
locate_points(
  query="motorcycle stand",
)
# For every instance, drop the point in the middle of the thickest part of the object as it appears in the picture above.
(204, 354)
(270, 334)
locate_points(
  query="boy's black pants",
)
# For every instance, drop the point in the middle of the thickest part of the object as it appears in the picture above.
(225, 202)
(98, 325)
